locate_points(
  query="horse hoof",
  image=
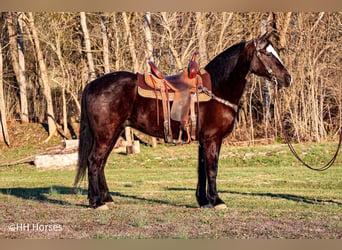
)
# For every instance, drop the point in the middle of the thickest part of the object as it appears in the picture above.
(220, 206)
(102, 208)
(110, 204)
(207, 206)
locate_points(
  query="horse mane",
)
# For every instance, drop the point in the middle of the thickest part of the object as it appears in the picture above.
(223, 64)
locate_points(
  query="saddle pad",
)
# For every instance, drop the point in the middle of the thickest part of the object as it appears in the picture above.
(146, 91)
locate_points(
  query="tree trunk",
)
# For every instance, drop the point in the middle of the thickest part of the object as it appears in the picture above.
(3, 121)
(149, 45)
(18, 61)
(128, 133)
(171, 41)
(201, 36)
(116, 45)
(282, 24)
(130, 42)
(225, 22)
(44, 77)
(22, 78)
(266, 85)
(148, 35)
(92, 74)
(105, 44)
(56, 161)
(58, 51)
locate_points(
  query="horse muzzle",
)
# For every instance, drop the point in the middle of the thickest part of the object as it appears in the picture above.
(284, 81)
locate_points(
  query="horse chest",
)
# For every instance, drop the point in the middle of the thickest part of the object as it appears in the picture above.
(217, 119)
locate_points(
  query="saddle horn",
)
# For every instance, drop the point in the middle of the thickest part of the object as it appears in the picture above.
(192, 67)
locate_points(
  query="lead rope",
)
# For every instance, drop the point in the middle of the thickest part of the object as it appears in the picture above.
(218, 99)
(327, 165)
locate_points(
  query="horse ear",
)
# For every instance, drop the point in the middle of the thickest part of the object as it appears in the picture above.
(266, 35)
(262, 41)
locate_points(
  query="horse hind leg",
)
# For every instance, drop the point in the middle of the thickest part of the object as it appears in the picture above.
(95, 162)
(98, 191)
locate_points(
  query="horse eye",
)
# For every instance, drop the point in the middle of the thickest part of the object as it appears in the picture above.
(268, 54)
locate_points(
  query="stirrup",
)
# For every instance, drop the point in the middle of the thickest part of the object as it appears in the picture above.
(167, 133)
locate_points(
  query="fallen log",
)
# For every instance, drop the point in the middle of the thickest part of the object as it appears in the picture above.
(56, 161)
(70, 144)
(63, 157)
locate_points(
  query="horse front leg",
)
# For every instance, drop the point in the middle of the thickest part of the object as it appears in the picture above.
(201, 191)
(208, 166)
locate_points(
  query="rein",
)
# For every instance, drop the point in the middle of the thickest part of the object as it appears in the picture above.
(286, 136)
(293, 151)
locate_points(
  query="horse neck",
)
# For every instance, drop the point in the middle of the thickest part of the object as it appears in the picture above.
(232, 86)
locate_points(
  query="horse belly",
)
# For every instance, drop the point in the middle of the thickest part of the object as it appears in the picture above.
(144, 117)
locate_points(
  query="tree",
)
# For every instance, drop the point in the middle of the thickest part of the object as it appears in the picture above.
(130, 42)
(87, 45)
(105, 44)
(167, 25)
(308, 43)
(44, 77)
(15, 33)
(128, 133)
(3, 121)
(149, 45)
(201, 37)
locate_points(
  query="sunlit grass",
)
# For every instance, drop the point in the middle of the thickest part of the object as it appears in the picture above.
(264, 187)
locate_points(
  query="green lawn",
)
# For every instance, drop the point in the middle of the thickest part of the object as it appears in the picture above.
(268, 194)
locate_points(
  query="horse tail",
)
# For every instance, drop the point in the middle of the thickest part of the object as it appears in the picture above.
(86, 140)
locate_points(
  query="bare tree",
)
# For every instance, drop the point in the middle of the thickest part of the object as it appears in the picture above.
(44, 77)
(15, 32)
(226, 19)
(116, 42)
(22, 78)
(148, 35)
(167, 25)
(201, 37)
(266, 86)
(105, 44)
(92, 74)
(128, 133)
(130, 42)
(308, 43)
(3, 121)
(149, 45)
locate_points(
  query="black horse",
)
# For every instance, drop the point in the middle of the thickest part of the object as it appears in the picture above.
(111, 102)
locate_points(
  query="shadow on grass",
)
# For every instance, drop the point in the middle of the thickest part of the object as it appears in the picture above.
(290, 197)
(41, 194)
(118, 194)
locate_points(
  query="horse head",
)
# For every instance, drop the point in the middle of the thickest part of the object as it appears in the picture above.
(267, 63)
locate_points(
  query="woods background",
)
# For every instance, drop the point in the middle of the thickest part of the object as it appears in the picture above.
(46, 59)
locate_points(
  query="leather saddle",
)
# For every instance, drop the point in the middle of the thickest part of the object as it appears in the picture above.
(182, 90)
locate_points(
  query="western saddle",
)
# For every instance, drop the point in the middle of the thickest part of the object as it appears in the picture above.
(183, 90)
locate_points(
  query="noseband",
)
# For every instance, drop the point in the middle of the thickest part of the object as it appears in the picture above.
(268, 69)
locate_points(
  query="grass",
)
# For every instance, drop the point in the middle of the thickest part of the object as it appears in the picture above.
(268, 194)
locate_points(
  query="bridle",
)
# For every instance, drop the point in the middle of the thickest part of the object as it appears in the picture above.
(268, 69)
(286, 136)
